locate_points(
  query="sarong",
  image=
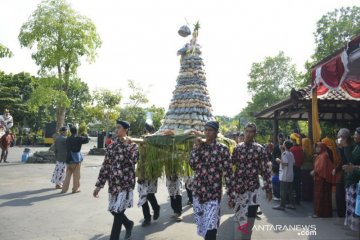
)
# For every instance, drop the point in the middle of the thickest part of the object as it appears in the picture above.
(58, 176)
(144, 189)
(174, 187)
(206, 215)
(351, 219)
(121, 201)
(242, 202)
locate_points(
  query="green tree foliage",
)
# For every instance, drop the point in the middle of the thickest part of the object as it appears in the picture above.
(80, 98)
(60, 38)
(270, 81)
(138, 95)
(136, 116)
(158, 114)
(5, 52)
(335, 29)
(105, 108)
(228, 124)
(135, 113)
(15, 91)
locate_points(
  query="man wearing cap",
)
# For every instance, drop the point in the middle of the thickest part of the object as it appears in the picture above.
(60, 151)
(118, 169)
(73, 160)
(209, 161)
(250, 160)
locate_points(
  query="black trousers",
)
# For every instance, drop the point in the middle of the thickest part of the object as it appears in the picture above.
(4, 154)
(189, 193)
(340, 200)
(154, 204)
(297, 184)
(211, 234)
(252, 210)
(176, 204)
(119, 220)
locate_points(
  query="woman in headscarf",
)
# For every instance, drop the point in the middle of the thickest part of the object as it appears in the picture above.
(323, 180)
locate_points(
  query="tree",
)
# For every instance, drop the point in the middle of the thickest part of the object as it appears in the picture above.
(137, 96)
(335, 29)
(60, 37)
(15, 91)
(133, 112)
(80, 98)
(5, 52)
(106, 107)
(270, 81)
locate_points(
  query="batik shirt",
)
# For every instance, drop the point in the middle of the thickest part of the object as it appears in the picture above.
(250, 161)
(118, 167)
(209, 162)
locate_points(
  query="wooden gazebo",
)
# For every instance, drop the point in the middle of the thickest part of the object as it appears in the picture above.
(335, 106)
(334, 95)
(335, 86)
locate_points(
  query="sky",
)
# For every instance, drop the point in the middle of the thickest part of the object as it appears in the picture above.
(140, 41)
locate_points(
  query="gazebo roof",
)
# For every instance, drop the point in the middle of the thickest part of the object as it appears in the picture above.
(335, 105)
(337, 82)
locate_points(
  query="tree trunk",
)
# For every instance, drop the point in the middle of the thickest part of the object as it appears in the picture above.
(60, 117)
(60, 111)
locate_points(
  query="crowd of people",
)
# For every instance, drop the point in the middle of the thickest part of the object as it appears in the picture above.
(279, 165)
(336, 164)
(210, 161)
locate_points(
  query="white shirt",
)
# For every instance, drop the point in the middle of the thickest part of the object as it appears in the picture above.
(286, 173)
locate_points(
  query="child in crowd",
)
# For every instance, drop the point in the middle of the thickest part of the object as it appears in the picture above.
(286, 176)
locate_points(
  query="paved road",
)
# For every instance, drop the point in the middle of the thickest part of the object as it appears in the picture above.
(30, 208)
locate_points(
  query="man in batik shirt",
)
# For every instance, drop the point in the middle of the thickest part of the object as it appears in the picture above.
(209, 160)
(250, 160)
(118, 169)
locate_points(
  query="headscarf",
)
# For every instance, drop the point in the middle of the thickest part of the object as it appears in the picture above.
(296, 137)
(308, 148)
(332, 146)
(323, 165)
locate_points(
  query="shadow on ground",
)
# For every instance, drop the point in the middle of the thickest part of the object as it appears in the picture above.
(19, 199)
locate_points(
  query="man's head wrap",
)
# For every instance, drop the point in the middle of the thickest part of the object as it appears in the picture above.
(124, 124)
(213, 124)
(250, 125)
